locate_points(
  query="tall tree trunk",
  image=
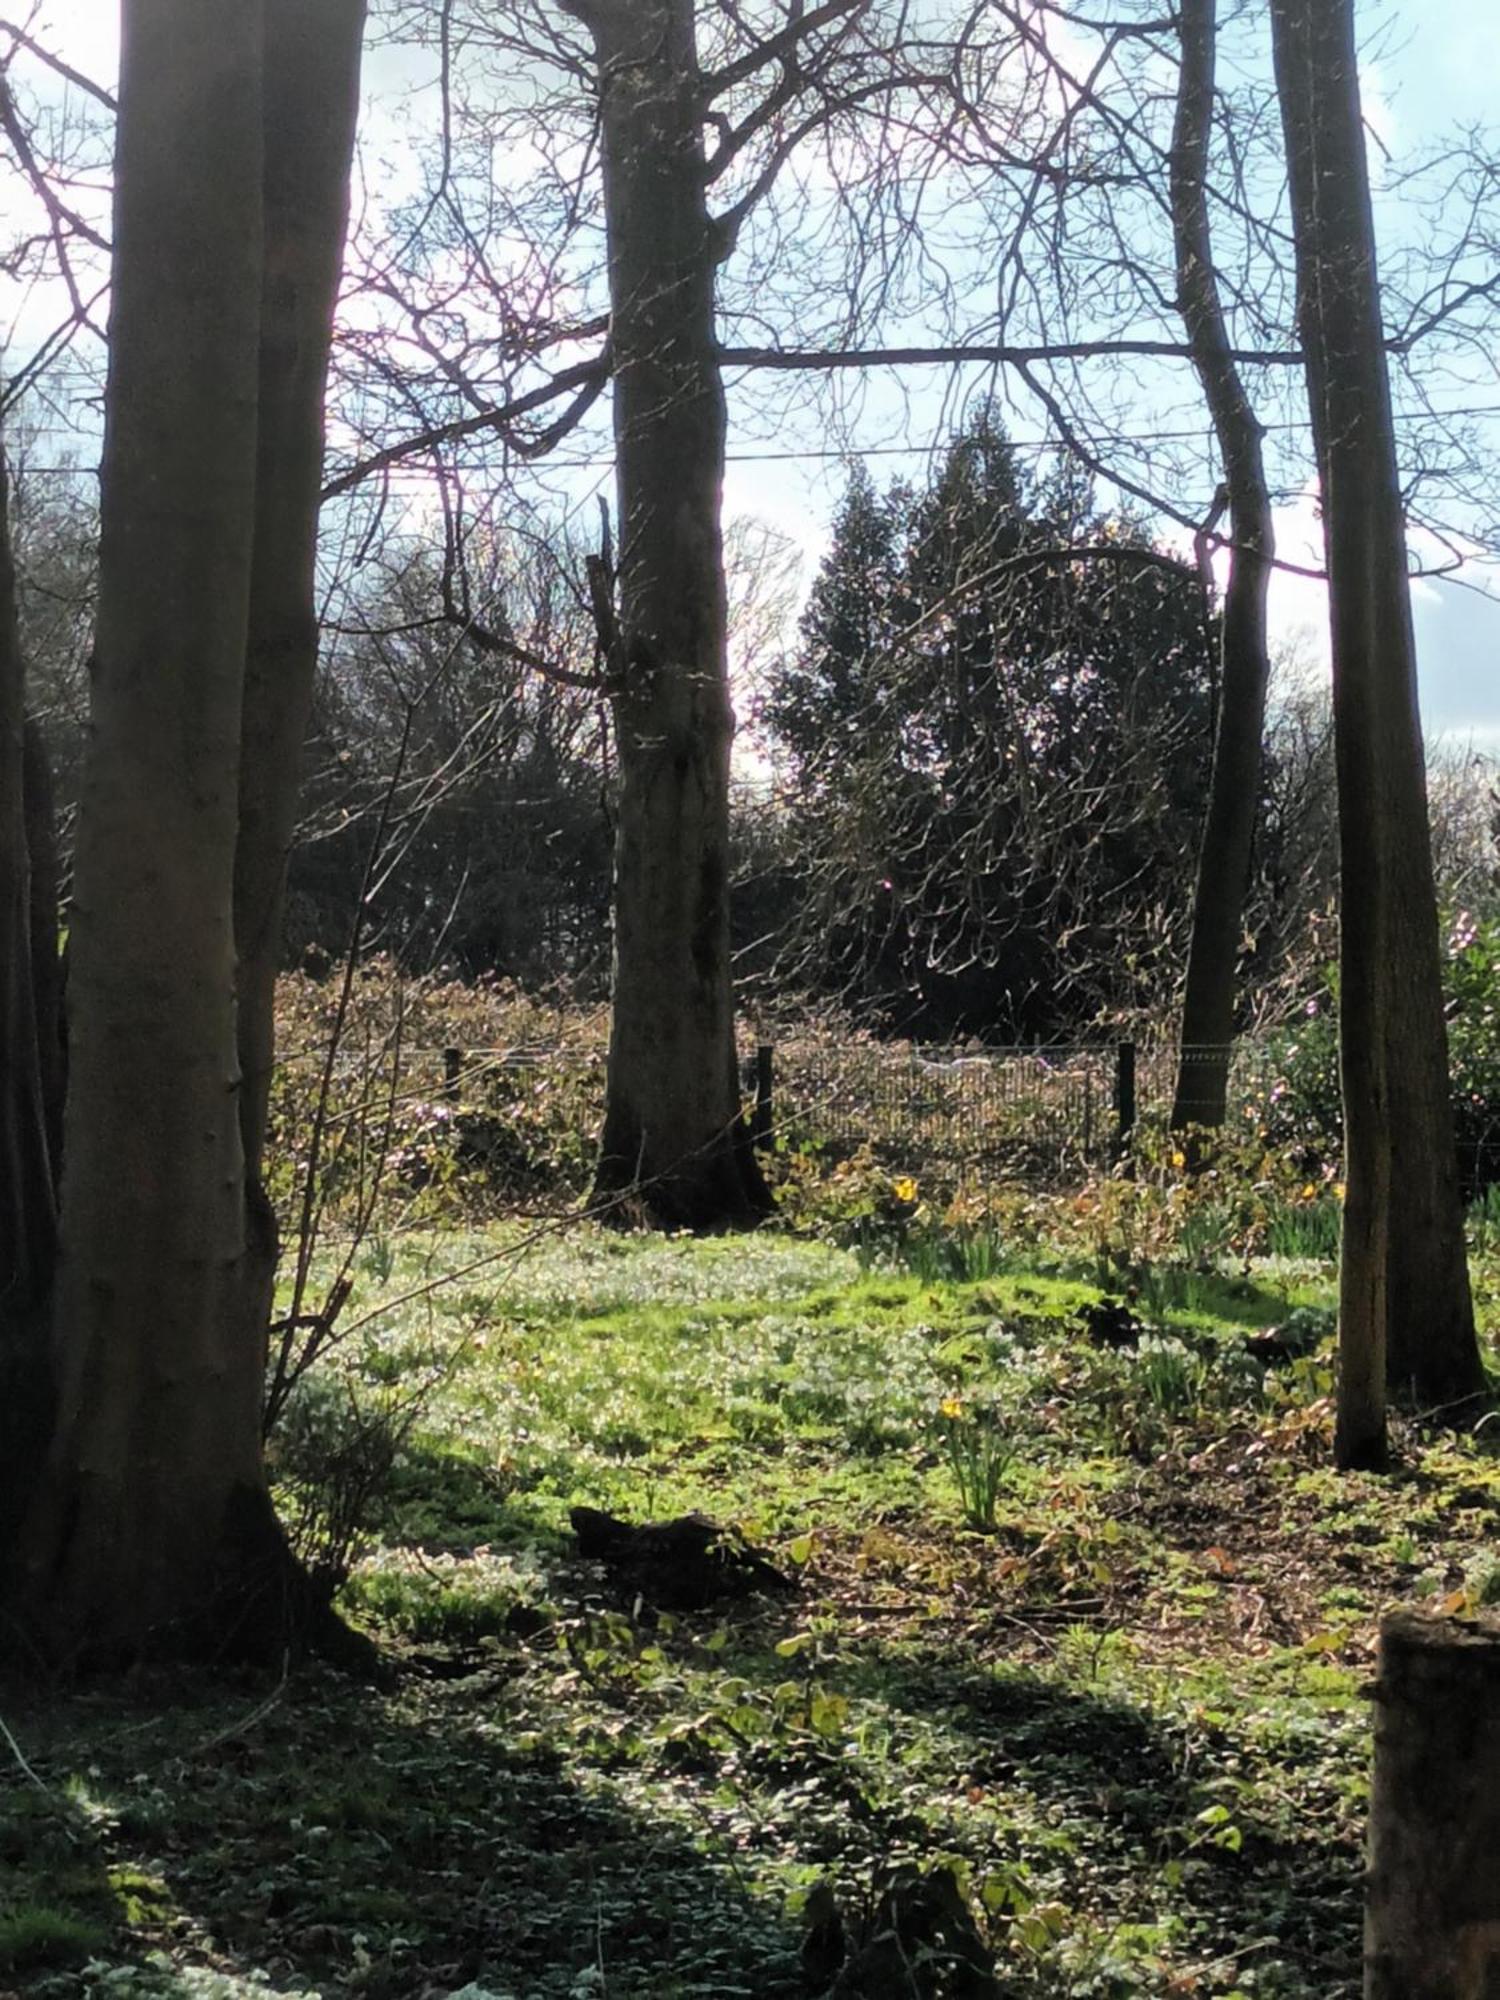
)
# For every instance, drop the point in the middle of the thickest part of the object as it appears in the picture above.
(28, 1078)
(153, 1525)
(311, 103)
(672, 1124)
(1234, 790)
(1405, 1307)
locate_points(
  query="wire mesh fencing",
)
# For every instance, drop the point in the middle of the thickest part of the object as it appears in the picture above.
(1014, 1110)
(1044, 1109)
(999, 1109)
(533, 1108)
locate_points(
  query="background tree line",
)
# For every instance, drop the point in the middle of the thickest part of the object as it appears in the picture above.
(992, 691)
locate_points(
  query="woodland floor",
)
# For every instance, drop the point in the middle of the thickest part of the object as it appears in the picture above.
(1132, 1716)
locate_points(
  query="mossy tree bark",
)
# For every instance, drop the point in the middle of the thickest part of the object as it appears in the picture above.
(1432, 1912)
(1406, 1314)
(673, 1129)
(1208, 1012)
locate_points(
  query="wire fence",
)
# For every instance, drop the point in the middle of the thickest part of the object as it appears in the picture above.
(1023, 1110)
(1013, 1109)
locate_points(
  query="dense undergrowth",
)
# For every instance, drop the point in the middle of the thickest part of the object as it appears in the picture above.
(434, 1102)
(1089, 1627)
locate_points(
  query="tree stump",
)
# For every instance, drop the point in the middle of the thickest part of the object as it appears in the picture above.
(1432, 1912)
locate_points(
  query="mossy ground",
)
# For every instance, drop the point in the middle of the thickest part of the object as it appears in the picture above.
(1132, 1715)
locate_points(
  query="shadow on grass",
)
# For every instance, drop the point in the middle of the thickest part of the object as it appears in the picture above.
(58, 1906)
(1112, 1812)
(1177, 1288)
(1112, 1789)
(386, 1846)
(497, 1829)
(443, 1498)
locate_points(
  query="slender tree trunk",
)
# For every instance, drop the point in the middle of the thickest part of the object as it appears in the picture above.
(28, 1204)
(1432, 1911)
(311, 91)
(1234, 791)
(1405, 1306)
(46, 958)
(28, 1082)
(153, 1525)
(673, 1126)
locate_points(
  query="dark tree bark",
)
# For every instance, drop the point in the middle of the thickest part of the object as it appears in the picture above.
(40, 807)
(1432, 1912)
(152, 1523)
(673, 1128)
(1229, 825)
(1405, 1307)
(29, 1079)
(28, 1201)
(311, 103)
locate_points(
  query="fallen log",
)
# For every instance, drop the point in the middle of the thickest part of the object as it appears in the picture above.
(678, 1565)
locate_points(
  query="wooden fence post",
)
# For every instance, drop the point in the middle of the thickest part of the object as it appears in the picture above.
(762, 1120)
(1124, 1094)
(453, 1069)
(1432, 1907)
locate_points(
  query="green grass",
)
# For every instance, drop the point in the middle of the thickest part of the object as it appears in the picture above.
(36, 1935)
(1310, 1231)
(1112, 1675)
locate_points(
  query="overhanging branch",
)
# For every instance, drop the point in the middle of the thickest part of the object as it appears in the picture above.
(584, 381)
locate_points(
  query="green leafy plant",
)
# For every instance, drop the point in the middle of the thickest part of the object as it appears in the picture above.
(1482, 1580)
(332, 1459)
(965, 1255)
(1299, 1106)
(1169, 1374)
(1484, 1222)
(980, 1450)
(1307, 1328)
(1307, 1229)
(1301, 1109)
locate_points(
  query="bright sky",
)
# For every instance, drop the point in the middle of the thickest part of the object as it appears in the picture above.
(1421, 79)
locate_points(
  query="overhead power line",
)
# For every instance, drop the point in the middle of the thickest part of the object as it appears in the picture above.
(417, 474)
